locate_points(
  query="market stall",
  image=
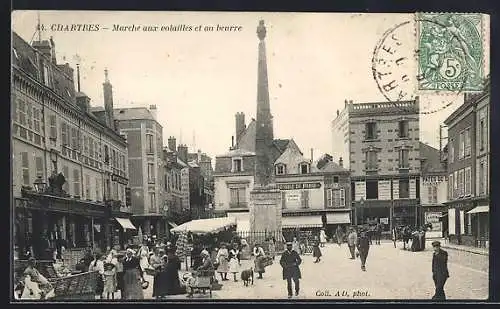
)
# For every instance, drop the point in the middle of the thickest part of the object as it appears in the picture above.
(203, 226)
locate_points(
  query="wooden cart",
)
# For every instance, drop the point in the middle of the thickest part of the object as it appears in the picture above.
(75, 286)
(204, 281)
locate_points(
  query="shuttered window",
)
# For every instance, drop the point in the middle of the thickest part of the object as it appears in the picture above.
(39, 167)
(76, 182)
(25, 168)
(304, 199)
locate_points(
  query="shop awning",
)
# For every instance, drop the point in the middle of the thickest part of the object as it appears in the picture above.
(301, 221)
(338, 218)
(125, 223)
(172, 224)
(479, 209)
(202, 226)
(242, 220)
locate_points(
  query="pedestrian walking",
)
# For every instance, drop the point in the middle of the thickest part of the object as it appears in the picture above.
(363, 245)
(109, 278)
(339, 234)
(234, 261)
(378, 233)
(222, 260)
(132, 276)
(322, 238)
(439, 270)
(260, 256)
(296, 245)
(272, 248)
(316, 250)
(351, 242)
(290, 261)
(98, 265)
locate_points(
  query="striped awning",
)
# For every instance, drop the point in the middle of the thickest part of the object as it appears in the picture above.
(479, 209)
(338, 218)
(242, 220)
(301, 221)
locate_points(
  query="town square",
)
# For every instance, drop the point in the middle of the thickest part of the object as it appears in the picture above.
(174, 156)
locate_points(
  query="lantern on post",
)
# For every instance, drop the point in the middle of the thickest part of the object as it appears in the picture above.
(39, 185)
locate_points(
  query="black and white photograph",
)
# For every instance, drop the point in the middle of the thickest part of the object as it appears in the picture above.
(196, 156)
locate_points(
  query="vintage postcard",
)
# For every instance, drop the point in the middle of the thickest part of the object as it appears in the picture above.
(187, 156)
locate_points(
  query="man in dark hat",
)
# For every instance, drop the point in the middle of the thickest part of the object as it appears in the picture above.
(439, 270)
(363, 245)
(290, 261)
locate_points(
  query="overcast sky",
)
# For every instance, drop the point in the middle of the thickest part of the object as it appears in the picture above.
(199, 80)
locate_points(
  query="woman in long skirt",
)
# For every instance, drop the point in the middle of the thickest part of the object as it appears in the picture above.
(272, 248)
(234, 261)
(260, 256)
(316, 251)
(132, 288)
(223, 260)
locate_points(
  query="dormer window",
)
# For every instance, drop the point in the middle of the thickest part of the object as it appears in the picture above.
(280, 169)
(304, 168)
(237, 165)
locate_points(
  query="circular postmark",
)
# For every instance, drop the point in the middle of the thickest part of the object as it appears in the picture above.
(400, 66)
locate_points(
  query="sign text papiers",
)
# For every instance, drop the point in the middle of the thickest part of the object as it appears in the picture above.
(299, 186)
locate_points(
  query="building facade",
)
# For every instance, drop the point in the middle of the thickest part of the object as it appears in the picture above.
(380, 144)
(139, 126)
(468, 160)
(433, 190)
(69, 178)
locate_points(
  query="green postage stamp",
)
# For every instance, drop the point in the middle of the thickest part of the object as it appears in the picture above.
(450, 52)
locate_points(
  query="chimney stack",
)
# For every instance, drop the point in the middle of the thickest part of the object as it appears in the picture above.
(341, 162)
(172, 143)
(83, 101)
(240, 125)
(45, 48)
(312, 155)
(182, 152)
(152, 109)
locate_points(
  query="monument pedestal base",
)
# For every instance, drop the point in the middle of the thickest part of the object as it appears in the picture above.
(265, 210)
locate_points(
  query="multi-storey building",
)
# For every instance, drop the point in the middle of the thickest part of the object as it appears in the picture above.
(380, 142)
(57, 140)
(433, 190)
(139, 126)
(468, 160)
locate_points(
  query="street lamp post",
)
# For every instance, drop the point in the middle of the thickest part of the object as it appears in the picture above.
(39, 185)
(362, 203)
(53, 158)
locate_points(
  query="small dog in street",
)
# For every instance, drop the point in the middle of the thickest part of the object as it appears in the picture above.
(247, 276)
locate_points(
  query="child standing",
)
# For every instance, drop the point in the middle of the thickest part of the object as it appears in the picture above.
(109, 278)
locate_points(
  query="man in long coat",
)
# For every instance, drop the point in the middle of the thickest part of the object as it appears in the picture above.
(439, 270)
(290, 261)
(351, 242)
(363, 245)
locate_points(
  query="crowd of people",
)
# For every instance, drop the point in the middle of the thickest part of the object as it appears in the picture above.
(126, 271)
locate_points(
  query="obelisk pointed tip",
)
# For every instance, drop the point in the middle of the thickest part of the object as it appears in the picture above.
(261, 30)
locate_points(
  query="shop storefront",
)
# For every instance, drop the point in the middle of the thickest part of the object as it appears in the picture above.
(44, 223)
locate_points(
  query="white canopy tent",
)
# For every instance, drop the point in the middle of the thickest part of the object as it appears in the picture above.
(242, 221)
(203, 226)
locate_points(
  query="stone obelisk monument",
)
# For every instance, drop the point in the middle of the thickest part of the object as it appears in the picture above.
(265, 199)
